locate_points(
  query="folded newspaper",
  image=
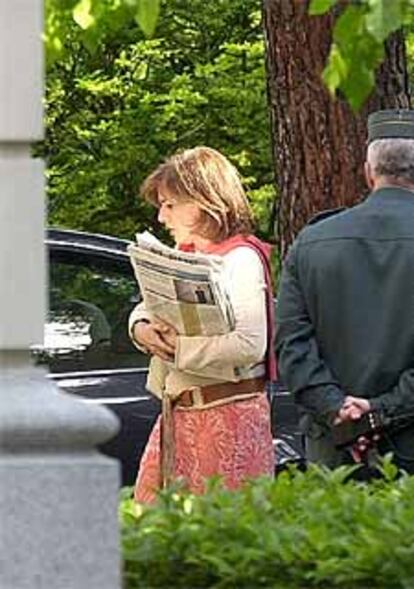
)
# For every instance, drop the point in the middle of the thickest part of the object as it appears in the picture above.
(187, 290)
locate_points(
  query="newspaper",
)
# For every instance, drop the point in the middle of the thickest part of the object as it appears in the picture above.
(185, 289)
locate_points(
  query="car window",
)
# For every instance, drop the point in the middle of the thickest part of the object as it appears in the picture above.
(90, 298)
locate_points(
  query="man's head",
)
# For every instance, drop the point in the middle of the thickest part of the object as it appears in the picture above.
(390, 155)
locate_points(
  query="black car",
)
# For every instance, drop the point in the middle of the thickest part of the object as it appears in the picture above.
(92, 290)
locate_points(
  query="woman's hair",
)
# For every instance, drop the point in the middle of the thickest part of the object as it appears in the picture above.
(203, 176)
(392, 158)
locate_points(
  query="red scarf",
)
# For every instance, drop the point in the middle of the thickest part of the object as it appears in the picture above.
(263, 250)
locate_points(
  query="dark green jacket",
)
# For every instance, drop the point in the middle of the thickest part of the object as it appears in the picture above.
(345, 313)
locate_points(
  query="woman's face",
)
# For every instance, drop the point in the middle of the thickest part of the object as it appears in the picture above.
(180, 218)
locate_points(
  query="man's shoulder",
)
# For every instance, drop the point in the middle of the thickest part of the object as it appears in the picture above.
(326, 214)
(326, 224)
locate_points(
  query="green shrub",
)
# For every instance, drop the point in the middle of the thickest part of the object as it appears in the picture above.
(299, 531)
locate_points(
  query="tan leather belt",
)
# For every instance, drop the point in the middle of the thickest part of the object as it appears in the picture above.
(215, 392)
(197, 396)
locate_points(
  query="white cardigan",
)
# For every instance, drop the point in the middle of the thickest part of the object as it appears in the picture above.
(234, 356)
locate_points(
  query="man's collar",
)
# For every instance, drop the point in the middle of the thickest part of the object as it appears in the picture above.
(393, 192)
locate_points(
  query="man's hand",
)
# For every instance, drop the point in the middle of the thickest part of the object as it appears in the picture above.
(151, 337)
(352, 408)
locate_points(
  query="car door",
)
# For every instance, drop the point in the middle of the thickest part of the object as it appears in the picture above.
(87, 349)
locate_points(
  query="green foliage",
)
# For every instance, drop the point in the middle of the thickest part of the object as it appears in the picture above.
(358, 43)
(409, 44)
(147, 15)
(115, 113)
(317, 7)
(97, 20)
(301, 530)
(355, 52)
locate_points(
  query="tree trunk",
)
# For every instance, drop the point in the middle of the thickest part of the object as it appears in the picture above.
(318, 142)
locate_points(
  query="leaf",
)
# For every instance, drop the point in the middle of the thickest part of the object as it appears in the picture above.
(383, 18)
(354, 56)
(358, 85)
(147, 15)
(54, 48)
(321, 6)
(349, 26)
(82, 14)
(336, 70)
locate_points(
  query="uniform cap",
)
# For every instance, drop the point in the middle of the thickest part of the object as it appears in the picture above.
(387, 124)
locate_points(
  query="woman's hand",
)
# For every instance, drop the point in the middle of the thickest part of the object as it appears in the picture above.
(152, 337)
(167, 331)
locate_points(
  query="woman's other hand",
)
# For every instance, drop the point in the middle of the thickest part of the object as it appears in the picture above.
(152, 337)
(167, 331)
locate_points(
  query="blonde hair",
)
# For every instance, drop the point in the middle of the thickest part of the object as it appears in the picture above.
(204, 176)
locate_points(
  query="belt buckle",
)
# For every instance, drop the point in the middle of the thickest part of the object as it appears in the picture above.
(196, 396)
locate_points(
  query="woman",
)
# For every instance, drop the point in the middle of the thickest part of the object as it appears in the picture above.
(216, 417)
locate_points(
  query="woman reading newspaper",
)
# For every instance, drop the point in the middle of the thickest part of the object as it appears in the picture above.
(216, 417)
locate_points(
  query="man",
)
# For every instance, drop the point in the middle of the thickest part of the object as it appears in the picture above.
(345, 316)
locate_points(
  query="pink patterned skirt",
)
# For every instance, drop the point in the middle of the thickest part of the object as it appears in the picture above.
(232, 440)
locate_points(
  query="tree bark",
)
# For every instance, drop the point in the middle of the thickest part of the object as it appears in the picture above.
(318, 142)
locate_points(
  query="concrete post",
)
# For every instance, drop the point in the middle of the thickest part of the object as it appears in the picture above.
(58, 496)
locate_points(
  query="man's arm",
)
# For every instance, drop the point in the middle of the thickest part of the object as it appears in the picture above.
(399, 401)
(303, 370)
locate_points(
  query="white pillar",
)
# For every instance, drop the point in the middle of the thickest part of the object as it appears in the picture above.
(58, 496)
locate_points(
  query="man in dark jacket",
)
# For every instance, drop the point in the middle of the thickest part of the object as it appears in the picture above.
(345, 314)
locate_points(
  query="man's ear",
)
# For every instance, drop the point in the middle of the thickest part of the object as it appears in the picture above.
(369, 179)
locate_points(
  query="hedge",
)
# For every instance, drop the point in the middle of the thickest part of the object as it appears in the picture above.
(301, 530)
